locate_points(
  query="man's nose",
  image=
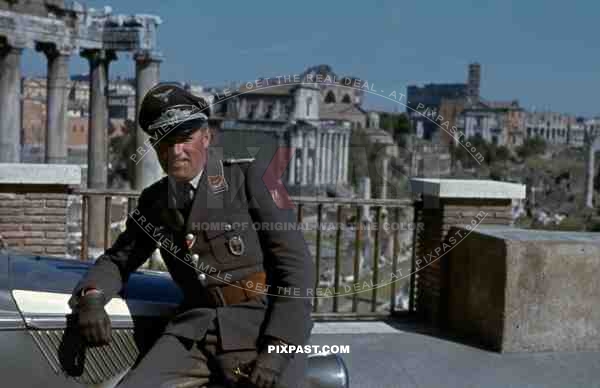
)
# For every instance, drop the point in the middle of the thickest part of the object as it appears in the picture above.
(176, 149)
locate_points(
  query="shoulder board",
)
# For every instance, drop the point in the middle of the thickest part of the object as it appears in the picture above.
(238, 160)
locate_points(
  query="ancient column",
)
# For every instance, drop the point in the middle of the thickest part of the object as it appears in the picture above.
(346, 157)
(336, 158)
(317, 158)
(147, 167)
(57, 88)
(330, 158)
(97, 140)
(277, 110)
(292, 164)
(340, 149)
(592, 145)
(260, 110)
(323, 158)
(242, 114)
(10, 104)
(384, 177)
(304, 181)
(338, 161)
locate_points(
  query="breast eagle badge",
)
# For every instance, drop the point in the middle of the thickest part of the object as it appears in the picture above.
(217, 183)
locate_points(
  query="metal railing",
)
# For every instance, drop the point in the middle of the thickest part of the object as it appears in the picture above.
(303, 205)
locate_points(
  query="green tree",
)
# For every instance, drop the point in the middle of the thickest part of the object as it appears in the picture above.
(461, 154)
(532, 146)
(397, 124)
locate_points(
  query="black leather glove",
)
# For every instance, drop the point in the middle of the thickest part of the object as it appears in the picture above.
(93, 322)
(269, 366)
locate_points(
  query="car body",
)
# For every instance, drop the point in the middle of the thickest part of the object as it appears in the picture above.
(41, 348)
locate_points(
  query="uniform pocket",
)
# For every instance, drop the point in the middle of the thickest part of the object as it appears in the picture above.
(219, 247)
(240, 326)
(232, 241)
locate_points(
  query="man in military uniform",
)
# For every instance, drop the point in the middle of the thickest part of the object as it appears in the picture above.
(244, 287)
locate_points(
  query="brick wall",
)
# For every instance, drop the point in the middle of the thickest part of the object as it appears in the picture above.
(438, 215)
(34, 222)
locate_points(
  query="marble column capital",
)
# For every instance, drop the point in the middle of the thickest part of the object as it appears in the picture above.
(52, 50)
(9, 49)
(95, 56)
(145, 56)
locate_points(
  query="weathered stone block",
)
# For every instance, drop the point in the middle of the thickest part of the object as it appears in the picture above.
(56, 234)
(45, 196)
(4, 196)
(23, 219)
(30, 203)
(12, 203)
(39, 174)
(7, 211)
(34, 249)
(55, 219)
(526, 290)
(45, 227)
(45, 210)
(21, 234)
(56, 249)
(43, 241)
(5, 227)
(56, 203)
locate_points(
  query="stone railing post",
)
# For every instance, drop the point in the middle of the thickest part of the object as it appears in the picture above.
(33, 206)
(446, 203)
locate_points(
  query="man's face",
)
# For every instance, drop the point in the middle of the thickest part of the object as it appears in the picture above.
(182, 158)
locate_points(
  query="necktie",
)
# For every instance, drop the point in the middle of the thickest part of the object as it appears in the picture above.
(185, 197)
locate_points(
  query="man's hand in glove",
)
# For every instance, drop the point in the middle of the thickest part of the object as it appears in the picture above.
(269, 366)
(94, 323)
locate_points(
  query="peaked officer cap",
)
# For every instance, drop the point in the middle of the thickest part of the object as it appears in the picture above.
(170, 110)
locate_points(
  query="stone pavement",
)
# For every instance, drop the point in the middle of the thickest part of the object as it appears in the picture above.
(406, 355)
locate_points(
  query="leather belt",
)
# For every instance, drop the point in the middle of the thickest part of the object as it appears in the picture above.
(243, 290)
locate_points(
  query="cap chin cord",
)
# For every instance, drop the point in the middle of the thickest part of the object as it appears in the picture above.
(178, 114)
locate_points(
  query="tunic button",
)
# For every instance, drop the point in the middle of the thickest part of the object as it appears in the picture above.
(202, 277)
(195, 259)
(228, 227)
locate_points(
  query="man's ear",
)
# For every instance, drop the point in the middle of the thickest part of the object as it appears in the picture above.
(207, 139)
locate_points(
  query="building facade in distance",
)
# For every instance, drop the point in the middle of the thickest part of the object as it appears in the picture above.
(425, 104)
(553, 127)
(499, 123)
(314, 117)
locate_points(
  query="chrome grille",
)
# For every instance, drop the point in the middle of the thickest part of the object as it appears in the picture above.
(101, 363)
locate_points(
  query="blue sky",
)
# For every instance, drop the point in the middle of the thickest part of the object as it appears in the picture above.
(544, 53)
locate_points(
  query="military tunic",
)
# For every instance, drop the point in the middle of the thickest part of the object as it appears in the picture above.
(234, 229)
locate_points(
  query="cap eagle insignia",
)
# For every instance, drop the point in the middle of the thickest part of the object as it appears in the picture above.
(164, 95)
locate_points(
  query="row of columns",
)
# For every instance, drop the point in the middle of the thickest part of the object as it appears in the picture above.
(320, 158)
(147, 168)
